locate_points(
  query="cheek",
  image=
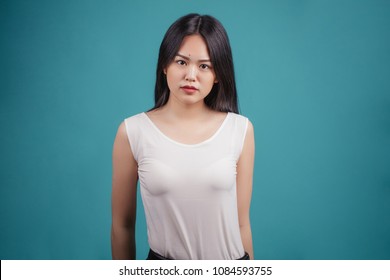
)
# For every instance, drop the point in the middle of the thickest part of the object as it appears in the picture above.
(209, 82)
(171, 80)
(173, 75)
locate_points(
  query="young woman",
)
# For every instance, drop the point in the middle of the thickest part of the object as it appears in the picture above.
(192, 152)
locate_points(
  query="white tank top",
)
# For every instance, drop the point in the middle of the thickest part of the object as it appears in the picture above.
(189, 191)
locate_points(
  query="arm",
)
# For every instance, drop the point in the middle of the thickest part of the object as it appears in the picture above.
(124, 196)
(244, 189)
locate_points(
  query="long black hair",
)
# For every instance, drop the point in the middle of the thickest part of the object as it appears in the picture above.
(223, 95)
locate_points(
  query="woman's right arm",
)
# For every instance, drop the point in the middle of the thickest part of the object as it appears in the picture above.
(124, 197)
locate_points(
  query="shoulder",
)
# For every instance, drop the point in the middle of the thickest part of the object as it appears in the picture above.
(134, 118)
(134, 122)
(250, 130)
(128, 125)
(128, 134)
(238, 116)
(243, 120)
(244, 127)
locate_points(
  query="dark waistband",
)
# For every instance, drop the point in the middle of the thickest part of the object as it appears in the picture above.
(155, 256)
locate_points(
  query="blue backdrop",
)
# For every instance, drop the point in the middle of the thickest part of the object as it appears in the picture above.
(313, 77)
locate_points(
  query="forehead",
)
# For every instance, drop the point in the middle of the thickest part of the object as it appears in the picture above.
(194, 46)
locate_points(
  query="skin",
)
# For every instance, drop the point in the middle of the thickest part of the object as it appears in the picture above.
(186, 119)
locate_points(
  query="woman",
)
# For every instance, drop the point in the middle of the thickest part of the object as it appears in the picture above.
(192, 152)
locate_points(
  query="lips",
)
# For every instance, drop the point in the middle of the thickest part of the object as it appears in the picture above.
(189, 89)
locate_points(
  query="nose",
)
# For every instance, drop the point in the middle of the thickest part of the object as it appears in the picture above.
(191, 73)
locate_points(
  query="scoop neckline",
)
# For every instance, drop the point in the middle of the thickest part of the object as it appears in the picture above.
(215, 134)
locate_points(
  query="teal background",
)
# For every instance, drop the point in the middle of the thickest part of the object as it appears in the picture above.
(312, 76)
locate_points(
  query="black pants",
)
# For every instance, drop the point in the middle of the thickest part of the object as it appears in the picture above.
(154, 256)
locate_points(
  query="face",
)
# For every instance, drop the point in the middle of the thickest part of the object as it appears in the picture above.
(190, 76)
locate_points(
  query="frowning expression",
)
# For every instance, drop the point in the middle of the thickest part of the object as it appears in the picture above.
(190, 76)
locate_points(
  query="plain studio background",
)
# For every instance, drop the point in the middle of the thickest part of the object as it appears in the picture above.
(313, 77)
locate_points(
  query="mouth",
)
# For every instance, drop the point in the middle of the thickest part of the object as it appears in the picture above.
(189, 89)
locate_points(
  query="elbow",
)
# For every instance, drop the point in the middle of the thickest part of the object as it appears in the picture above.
(115, 227)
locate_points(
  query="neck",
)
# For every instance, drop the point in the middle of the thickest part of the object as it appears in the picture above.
(186, 112)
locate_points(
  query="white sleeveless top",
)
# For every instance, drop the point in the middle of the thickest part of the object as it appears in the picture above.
(189, 191)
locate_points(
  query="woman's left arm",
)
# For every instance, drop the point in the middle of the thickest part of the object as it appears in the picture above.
(244, 189)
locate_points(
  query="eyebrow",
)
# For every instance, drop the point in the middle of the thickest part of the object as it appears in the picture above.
(188, 58)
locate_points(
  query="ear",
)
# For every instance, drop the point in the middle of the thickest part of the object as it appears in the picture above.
(216, 82)
(165, 71)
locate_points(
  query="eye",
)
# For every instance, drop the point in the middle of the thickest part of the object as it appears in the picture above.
(204, 66)
(181, 62)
